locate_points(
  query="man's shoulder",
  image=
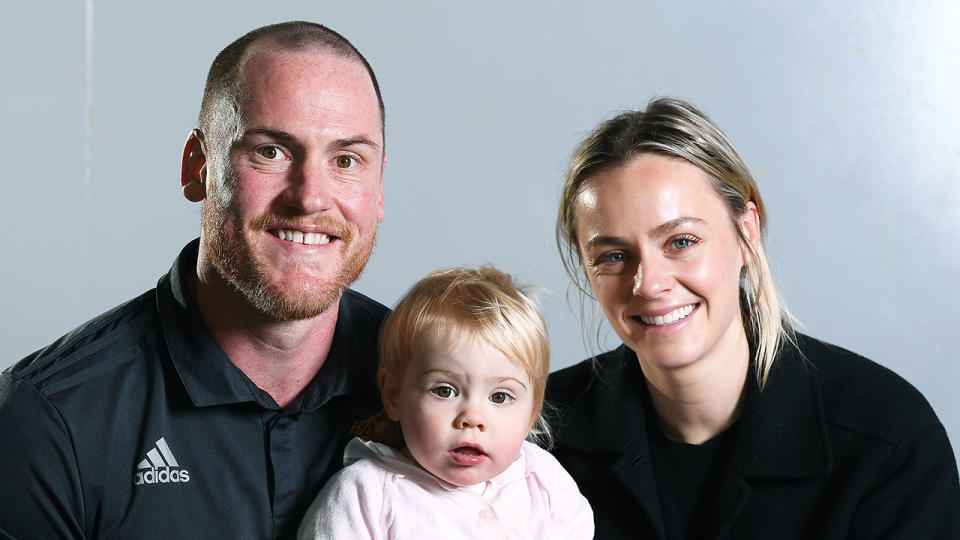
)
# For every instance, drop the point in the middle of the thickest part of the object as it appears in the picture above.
(362, 312)
(365, 305)
(92, 350)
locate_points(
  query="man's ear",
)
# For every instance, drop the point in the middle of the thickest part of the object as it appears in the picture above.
(380, 214)
(193, 167)
(389, 394)
(749, 223)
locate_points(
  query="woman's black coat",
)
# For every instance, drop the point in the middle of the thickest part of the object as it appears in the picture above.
(835, 446)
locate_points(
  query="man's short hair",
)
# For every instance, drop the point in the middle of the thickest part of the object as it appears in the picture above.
(223, 85)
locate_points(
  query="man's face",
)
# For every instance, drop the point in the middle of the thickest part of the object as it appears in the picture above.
(292, 207)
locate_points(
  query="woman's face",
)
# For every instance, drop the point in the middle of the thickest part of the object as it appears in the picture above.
(663, 259)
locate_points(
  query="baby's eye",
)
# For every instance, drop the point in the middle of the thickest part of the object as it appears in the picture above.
(444, 391)
(270, 152)
(345, 162)
(501, 398)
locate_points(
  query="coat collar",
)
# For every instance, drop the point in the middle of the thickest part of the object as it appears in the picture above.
(781, 432)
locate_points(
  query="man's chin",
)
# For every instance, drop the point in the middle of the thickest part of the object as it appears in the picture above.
(287, 306)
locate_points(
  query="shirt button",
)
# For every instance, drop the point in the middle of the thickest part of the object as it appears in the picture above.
(486, 514)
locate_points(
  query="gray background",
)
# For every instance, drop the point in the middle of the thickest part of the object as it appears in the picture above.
(847, 113)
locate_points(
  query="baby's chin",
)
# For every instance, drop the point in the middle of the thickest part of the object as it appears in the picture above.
(466, 476)
(459, 481)
(461, 467)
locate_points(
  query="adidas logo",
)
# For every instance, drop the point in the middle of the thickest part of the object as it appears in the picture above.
(160, 467)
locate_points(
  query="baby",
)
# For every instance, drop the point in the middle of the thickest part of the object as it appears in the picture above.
(463, 365)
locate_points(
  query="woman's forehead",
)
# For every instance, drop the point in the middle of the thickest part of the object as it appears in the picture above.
(650, 188)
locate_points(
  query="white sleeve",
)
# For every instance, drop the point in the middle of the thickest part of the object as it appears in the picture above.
(571, 517)
(351, 505)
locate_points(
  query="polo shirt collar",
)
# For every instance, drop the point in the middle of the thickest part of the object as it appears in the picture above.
(207, 374)
(343, 373)
(210, 378)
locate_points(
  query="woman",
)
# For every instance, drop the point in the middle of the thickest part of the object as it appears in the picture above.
(714, 419)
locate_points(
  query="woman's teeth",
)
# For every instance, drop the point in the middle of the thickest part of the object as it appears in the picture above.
(668, 318)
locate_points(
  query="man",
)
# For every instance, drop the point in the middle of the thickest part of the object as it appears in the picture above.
(218, 404)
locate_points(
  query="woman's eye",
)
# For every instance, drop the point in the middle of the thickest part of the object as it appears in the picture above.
(270, 152)
(682, 242)
(611, 258)
(501, 398)
(445, 392)
(345, 162)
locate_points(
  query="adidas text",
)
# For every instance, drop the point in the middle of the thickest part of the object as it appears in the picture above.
(161, 476)
(160, 467)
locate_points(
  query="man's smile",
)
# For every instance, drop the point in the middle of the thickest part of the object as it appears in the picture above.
(298, 237)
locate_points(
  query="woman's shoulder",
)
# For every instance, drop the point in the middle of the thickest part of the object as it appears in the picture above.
(859, 394)
(588, 404)
(569, 384)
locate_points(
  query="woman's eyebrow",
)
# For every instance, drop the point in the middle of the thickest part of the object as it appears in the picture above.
(605, 240)
(665, 228)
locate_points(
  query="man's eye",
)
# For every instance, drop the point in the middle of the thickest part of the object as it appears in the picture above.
(501, 398)
(345, 162)
(445, 392)
(270, 152)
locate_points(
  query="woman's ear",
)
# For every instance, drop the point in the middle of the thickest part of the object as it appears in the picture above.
(749, 223)
(389, 394)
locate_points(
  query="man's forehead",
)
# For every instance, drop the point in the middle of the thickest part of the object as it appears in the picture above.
(265, 56)
(265, 64)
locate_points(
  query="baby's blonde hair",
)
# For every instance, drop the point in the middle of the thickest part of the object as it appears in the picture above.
(462, 304)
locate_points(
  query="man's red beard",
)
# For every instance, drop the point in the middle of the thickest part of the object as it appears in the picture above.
(232, 256)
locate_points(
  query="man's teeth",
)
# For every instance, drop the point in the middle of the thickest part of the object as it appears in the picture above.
(669, 318)
(309, 239)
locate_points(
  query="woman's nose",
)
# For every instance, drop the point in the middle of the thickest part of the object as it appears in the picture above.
(638, 279)
(652, 279)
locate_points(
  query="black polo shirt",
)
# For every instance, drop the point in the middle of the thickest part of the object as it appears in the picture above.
(137, 425)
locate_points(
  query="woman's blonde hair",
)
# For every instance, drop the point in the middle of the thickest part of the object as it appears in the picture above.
(674, 128)
(463, 304)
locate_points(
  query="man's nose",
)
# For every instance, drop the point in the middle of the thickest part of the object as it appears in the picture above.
(310, 188)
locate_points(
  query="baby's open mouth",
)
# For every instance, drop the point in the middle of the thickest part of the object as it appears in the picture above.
(467, 451)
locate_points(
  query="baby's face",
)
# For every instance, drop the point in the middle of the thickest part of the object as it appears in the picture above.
(464, 410)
